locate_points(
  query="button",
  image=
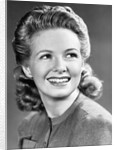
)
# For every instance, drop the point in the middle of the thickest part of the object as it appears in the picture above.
(45, 144)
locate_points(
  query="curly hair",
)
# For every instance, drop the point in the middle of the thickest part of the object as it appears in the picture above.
(43, 18)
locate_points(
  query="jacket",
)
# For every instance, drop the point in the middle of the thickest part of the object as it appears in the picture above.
(85, 123)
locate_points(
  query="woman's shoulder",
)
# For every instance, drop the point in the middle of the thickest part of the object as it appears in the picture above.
(93, 110)
(28, 123)
(94, 123)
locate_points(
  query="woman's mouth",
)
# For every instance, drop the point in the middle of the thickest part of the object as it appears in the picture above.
(59, 81)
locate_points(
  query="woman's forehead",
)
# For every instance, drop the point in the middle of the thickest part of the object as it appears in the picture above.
(55, 39)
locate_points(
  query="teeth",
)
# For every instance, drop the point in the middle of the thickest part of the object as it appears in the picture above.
(59, 80)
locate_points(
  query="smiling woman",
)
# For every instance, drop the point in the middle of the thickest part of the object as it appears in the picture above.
(55, 82)
(57, 67)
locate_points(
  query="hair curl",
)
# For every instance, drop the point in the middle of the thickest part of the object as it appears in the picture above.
(39, 19)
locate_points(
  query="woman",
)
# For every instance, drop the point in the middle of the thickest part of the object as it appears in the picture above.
(55, 82)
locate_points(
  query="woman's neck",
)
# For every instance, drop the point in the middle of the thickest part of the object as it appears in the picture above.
(56, 107)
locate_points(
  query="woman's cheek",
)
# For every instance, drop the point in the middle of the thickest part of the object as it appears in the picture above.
(40, 70)
(75, 69)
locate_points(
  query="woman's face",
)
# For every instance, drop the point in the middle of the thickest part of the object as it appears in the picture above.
(56, 62)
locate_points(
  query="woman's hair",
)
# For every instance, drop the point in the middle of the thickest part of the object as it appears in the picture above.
(43, 18)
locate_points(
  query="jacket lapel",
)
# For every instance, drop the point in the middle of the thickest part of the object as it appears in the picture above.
(28, 143)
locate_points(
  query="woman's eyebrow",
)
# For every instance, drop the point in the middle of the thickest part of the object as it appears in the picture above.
(72, 49)
(43, 51)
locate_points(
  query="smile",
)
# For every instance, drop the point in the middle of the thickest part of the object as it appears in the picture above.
(59, 81)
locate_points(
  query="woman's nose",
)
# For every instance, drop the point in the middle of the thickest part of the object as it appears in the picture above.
(59, 65)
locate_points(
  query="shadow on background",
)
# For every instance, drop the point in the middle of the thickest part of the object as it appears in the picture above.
(99, 21)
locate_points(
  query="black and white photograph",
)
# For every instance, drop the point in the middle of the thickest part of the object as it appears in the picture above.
(59, 74)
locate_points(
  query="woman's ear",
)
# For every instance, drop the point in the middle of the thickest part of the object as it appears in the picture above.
(27, 71)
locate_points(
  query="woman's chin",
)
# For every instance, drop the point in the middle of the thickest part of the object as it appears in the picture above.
(60, 95)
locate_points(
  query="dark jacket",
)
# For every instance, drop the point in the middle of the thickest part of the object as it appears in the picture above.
(85, 123)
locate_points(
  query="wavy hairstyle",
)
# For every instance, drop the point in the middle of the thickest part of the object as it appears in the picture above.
(39, 19)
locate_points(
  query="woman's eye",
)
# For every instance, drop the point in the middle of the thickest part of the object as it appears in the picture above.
(72, 55)
(46, 56)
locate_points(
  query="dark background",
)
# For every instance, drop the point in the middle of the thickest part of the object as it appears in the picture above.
(99, 21)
